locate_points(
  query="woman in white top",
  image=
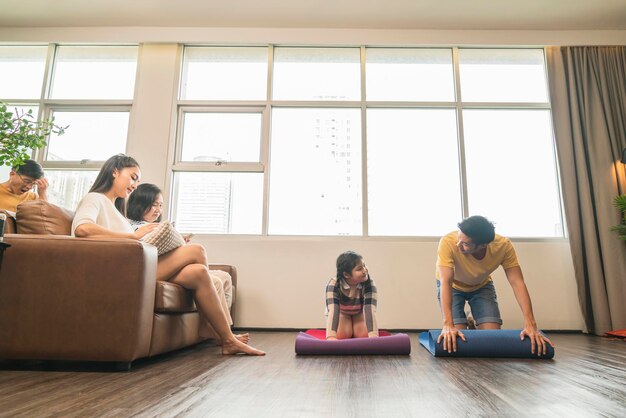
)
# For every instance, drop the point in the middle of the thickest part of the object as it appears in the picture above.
(100, 214)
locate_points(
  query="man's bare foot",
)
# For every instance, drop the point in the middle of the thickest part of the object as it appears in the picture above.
(234, 346)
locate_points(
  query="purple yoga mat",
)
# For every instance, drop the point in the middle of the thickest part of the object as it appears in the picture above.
(397, 344)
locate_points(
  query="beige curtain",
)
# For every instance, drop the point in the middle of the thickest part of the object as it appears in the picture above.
(588, 94)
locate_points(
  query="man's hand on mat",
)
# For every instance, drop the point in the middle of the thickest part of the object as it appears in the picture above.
(537, 339)
(449, 335)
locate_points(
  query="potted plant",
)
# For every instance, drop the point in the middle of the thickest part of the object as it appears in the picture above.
(20, 133)
(620, 203)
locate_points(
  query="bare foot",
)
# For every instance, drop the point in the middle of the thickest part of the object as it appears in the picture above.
(235, 346)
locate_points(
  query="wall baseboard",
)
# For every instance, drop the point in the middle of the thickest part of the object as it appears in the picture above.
(405, 330)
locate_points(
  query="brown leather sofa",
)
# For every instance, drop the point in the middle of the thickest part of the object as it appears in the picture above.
(80, 299)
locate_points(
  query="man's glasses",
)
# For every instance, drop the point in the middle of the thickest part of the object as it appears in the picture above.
(467, 245)
(27, 181)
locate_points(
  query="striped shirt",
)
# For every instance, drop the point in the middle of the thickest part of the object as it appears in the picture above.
(351, 300)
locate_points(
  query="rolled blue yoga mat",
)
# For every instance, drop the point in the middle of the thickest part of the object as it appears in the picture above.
(484, 343)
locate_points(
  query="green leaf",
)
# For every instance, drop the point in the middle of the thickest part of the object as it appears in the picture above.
(20, 131)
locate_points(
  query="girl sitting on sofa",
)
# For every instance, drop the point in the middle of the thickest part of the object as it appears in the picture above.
(144, 206)
(101, 214)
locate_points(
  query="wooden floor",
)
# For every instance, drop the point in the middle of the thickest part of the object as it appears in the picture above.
(586, 378)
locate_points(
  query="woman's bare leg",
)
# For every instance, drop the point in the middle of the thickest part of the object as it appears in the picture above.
(171, 262)
(196, 277)
(207, 331)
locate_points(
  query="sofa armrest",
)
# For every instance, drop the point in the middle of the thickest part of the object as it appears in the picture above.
(10, 226)
(64, 298)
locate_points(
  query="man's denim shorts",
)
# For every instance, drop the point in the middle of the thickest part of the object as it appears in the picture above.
(483, 303)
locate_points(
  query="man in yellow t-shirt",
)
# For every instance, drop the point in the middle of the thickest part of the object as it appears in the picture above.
(18, 188)
(465, 260)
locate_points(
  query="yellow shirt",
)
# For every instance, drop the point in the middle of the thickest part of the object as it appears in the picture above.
(9, 201)
(470, 273)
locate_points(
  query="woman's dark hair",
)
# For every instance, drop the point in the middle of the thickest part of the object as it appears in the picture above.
(346, 262)
(104, 181)
(479, 229)
(141, 200)
(30, 168)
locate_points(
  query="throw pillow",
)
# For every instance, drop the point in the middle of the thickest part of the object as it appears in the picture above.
(44, 218)
(165, 238)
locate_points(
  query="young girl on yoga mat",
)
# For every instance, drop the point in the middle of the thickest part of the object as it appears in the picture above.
(351, 300)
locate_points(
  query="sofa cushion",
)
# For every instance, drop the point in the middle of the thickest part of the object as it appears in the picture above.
(171, 297)
(43, 218)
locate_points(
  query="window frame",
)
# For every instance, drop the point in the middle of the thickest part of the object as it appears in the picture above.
(458, 105)
(46, 106)
(216, 166)
(85, 164)
(461, 106)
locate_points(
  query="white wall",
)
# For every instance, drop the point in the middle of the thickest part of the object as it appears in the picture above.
(281, 280)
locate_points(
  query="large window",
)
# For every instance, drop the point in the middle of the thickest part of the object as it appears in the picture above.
(412, 171)
(316, 175)
(509, 153)
(22, 71)
(364, 141)
(212, 199)
(331, 141)
(316, 74)
(409, 75)
(223, 73)
(510, 170)
(503, 75)
(105, 77)
(315, 183)
(219, 169)
(88, 88)
(94, 72)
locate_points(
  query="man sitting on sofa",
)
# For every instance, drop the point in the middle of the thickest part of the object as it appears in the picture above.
(18, 188)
